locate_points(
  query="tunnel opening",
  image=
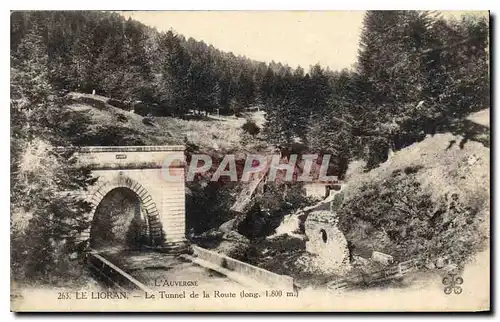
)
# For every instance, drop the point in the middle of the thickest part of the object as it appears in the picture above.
(324, 236)
(120, 222)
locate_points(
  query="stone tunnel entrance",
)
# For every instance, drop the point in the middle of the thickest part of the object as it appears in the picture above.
(120, 221)
(132, 201)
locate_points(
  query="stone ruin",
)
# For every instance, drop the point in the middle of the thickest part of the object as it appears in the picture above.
(326, 243)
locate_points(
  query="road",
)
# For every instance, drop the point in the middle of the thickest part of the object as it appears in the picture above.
(164, 271)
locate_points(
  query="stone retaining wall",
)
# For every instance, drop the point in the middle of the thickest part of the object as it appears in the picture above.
(261, 275)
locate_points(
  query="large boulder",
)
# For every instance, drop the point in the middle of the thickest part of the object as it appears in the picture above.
(233, 245)
(227, 226)
(233, 236)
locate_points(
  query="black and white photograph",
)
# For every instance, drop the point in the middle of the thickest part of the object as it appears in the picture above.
(250, 161)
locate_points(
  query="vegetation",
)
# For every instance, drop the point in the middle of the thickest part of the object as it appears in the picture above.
(416, 74)
(135, 237)
(47, 215)
(416, 71)
(130, 62)
(208, 204)
(251, 128)
(398, 217)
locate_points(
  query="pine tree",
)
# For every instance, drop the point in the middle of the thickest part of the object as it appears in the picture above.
(267, 87)
(204, 88)
(392, 67)
(279, 129)
(45, 208)
(390, 55)
(245, 89)
(319, 90)
(176, 63)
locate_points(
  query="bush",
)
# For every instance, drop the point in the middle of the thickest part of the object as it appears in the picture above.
(399, 217)
(45, 221)
(413, 169)
(251, 128)
(141, 108)
(235, 107)
(149, 120)
(278, 255)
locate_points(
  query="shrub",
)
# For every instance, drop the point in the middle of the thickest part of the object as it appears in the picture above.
(397, 216)
(413, 169)
(251, 128)
(141, 108)
(148, 120)
(235, 107)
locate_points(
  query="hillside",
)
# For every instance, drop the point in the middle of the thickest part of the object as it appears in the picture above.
(429, 200)
(110, 125)
(417, 86)
(438, 197)
(442, 170)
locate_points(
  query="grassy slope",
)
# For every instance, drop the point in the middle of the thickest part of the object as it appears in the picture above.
(211, 133)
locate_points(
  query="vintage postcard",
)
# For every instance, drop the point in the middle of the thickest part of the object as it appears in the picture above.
(188, 161)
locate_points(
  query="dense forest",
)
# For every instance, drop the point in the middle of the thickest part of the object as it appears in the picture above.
(416, 72)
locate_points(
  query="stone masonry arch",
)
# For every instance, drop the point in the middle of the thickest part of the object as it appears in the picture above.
(123, 181)
(143, 170)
